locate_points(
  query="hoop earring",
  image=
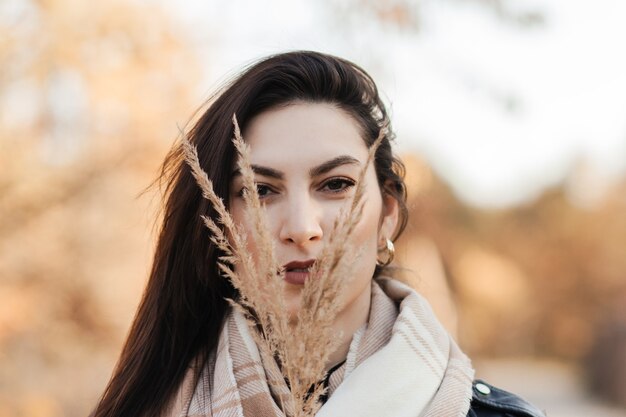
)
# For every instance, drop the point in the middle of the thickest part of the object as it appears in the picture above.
(391, 251)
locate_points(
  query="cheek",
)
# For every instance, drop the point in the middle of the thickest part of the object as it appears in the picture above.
(237, 213)
(373, 209)
(366, 232)
(365, 241)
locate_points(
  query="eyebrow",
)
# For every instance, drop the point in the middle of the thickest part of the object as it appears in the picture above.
(332, 164)
(323, 168)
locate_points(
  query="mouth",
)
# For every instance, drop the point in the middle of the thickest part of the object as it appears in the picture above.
(297, 272)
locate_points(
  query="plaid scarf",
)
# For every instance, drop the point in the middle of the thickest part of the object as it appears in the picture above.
(401, 363)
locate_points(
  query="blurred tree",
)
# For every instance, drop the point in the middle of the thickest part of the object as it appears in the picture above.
(407, 14)
(90, 94)
(545, 278)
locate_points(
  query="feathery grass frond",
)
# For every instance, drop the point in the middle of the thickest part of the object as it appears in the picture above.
(329, 276)
(302, 350)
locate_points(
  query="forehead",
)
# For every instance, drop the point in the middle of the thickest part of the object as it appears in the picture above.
(303, 134)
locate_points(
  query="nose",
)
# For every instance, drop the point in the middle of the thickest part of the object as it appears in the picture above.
(301, 221)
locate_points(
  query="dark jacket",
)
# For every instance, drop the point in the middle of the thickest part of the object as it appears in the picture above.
(489, 401)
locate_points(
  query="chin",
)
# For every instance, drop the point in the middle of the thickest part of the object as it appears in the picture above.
(292, 304)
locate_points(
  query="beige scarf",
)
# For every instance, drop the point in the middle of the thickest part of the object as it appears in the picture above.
(402, 363)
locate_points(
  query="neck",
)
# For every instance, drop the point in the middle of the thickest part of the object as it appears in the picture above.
(347, 323)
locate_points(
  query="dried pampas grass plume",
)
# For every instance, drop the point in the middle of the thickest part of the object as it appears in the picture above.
(302, 349)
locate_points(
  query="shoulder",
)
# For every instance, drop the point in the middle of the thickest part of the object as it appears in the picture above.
(489, 401)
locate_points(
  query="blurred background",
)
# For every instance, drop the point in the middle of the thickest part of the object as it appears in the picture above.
(509, 114)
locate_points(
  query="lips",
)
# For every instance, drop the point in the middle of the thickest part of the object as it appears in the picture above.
(297, 272)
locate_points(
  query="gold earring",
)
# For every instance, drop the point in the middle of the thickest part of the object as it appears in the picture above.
(391, 251)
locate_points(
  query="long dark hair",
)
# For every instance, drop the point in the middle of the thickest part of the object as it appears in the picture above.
(183, 306)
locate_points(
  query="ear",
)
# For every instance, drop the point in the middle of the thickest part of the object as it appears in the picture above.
(389, 218)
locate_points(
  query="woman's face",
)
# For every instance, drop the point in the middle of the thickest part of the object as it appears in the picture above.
(307, 158)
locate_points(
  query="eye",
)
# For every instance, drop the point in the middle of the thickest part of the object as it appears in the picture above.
(261, 189)
(338, 185)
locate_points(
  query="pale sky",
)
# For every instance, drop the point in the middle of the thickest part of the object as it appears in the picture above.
(500, 111)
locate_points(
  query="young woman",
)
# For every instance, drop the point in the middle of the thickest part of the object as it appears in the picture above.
(309, 119)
